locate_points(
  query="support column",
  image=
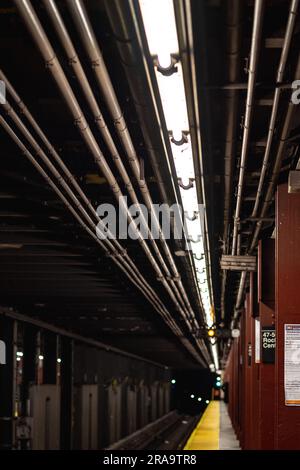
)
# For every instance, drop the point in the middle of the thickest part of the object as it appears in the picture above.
(266, 297)
(29, 364)
(66, 407)
(7, 383)
(254, 422)
(287, 418)
(50, 358)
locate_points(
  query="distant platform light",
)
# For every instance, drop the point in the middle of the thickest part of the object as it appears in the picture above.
(211, 333)
(20, 354)
(199, 398)
(192, 396)
(173, 381)
(235, 333)
(58, 360)
(207, 402)
(41, 357)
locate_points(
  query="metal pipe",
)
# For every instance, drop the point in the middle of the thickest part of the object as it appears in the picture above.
(74, 61)
(135, 279)
(110, 241)
(277, 94)
(254, 55)
(274, 177)
(51, 60)
(276, 169)
(232, 51)
(86, 32)
(130, 41)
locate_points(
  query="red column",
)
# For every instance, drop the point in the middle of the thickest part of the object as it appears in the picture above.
(287, 418)
(254, 444)
(266, 297)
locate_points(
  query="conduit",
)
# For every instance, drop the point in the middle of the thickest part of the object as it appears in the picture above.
(55, 68)
(74, 61)
(86, 32)
(36, 30)
(254, 56)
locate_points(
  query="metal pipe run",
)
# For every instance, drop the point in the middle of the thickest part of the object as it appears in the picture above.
(108, 250)
(232, 51)
(124, 266)
(280, 75)
(51, 60)
(254, 56)
(46, 49)
(74, 61)
(86, 32)
(285, 132)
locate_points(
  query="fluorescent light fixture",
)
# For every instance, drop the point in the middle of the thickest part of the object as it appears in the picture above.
(160, 27)
(215, 355)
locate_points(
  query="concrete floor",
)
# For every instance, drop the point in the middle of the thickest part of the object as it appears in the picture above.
(214, 430)
(227, 437)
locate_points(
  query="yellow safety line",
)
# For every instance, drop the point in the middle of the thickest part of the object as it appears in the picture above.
(206, 434)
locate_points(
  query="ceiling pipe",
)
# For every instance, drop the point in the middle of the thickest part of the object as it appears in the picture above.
(51, 60)
(278, 91)
(59, 193)
(126, 269)
(24, 111)
(31, 20)
(277, 166)
(272, 184)
(233, 11)
(284, 136)
(86, 32)
(144, 90)
(74, 61)
(69, 177)
(254, 56)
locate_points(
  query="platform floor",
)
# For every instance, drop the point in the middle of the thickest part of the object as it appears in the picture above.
(214, 430)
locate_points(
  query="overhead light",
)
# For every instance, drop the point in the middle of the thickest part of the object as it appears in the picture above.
(199, 398)
(235, 333)
(207, 402)
(211, 333)
(180, 253)
(18, 359)
(192, 396)
(41, 357)
(19, 353)
(58, 360)
(173, 381)
(160, 27)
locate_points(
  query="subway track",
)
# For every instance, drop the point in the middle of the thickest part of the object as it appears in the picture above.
(169, 432)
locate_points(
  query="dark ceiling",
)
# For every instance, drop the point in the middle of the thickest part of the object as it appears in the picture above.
(49, 268)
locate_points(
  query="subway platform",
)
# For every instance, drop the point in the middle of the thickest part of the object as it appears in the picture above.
(214, 430)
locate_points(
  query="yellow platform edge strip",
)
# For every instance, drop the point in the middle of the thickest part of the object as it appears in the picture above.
(206, 434)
